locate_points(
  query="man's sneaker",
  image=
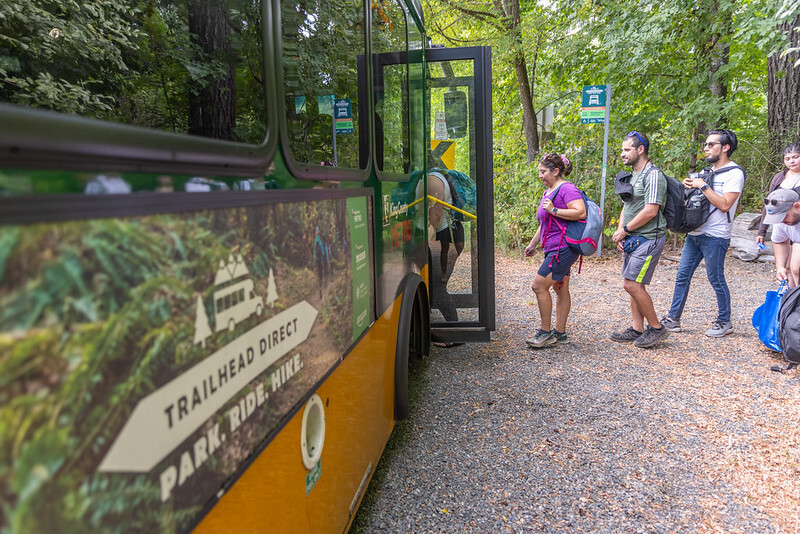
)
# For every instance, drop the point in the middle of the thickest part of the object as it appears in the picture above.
(719, 329)
(673, 325)
(626, 335)
(650, 337)
(542, 338)
(561, 337)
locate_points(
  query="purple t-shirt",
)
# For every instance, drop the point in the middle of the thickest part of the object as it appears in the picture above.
(551, 239)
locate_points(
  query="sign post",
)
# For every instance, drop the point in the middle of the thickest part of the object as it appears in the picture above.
(595, 108)
(342, 115)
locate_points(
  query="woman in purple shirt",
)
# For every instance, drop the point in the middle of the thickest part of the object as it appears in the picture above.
(561, 202)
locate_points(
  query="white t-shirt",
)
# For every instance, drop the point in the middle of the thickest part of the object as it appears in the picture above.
(718, 225)
(444, 222)
(790, 184)
(783, 232)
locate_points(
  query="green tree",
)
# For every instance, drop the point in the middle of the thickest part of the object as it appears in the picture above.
(783, 89)
(46, 48)
(677, 69)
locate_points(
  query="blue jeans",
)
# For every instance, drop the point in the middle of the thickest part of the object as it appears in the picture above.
(713, 249)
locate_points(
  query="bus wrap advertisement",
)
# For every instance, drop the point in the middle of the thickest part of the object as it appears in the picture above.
(144, 359)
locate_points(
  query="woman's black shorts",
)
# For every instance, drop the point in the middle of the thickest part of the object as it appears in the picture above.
(458, 233)
(558, 266)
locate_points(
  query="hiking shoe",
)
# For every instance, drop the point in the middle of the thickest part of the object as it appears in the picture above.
(561, 337)
(542, 338)
(673, 325)
(719, 329)
(626, 335)
(650, 337)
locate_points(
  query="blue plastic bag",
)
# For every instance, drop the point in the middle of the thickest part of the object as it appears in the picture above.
(765, 318)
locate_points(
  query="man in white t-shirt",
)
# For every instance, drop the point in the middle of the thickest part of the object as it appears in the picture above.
(723, 187)
(783, 211)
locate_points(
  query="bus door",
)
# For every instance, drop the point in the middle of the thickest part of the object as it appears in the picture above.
(459, 111)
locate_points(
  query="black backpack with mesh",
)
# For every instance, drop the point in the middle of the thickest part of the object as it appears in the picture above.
(687, 210)
(789, 325)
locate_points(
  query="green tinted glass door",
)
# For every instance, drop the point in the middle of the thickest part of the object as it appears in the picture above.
(459, 121)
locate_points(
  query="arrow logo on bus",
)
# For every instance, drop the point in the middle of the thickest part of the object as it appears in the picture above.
(161, 421)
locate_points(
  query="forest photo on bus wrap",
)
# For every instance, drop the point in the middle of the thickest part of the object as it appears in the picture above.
(194, 335)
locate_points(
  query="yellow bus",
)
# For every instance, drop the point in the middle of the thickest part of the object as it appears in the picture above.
(215, 262)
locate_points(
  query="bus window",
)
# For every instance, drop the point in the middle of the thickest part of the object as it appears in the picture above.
(320, 81)
(187, 67)
(416, 100)
(389, 44)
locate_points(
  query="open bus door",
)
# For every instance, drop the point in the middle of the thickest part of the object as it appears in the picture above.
(460, 125)
(459, 122)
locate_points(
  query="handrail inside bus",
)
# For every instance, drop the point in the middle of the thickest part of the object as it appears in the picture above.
(443, 203)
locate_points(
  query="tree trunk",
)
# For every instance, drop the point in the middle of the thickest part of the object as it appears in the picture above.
(716, 54)
(212, 104)
(783, 92)
(719, 57)
(529, 122)
(509, 9)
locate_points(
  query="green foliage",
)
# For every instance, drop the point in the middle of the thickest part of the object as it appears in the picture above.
(677, 69)
(131, 63)
(518, 191)
(44, 50)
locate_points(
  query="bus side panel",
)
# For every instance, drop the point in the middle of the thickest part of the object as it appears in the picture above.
(359, 419)
(277, 492)
(270, 496)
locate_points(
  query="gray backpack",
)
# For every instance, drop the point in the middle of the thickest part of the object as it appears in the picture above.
(789, 325)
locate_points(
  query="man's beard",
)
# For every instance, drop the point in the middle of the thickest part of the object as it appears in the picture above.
(633, 161)
(712, 159)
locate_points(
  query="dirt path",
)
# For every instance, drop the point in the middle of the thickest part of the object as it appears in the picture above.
(696, 435)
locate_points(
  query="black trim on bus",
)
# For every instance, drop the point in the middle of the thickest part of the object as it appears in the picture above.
(29, 209)
(35, 138)
(459, 334)
(407, 290)
(307, 171)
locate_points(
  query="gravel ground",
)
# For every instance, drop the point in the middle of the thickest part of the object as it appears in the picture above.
(694, 435)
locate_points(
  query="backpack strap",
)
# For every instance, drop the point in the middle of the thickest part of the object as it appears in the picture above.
(712, 172)
(660, 207)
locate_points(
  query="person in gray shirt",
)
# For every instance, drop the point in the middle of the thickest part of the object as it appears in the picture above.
(641, 237)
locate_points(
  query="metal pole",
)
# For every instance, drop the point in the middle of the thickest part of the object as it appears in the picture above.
(605, 160)
(333, 121)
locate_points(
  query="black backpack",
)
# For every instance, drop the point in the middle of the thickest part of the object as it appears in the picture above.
(789, 325)
(675, 206)
(687, 210)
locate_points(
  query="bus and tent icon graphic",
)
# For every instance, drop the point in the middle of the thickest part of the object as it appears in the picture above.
(234, 299)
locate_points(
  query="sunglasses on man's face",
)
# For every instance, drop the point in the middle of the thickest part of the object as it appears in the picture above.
(710, 144)
(768, 201)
